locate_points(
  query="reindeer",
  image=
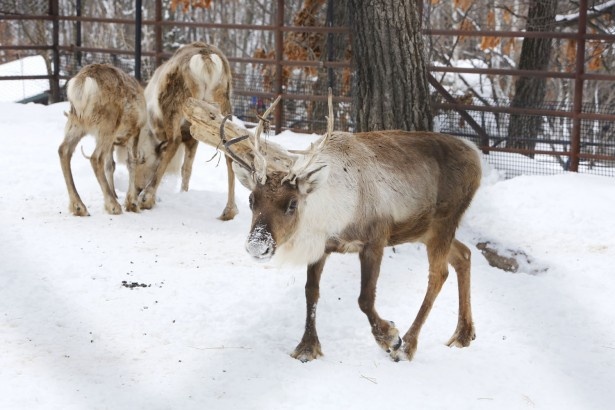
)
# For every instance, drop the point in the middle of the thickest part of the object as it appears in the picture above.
(197, 70)
(360, 193)
(108, 104)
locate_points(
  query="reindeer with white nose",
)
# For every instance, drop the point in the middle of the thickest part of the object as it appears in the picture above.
(360, 193)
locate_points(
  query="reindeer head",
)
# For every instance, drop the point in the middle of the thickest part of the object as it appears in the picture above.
(148, 155)
(278, 197)
(277, 206)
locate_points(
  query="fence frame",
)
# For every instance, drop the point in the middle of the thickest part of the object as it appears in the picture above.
(579, 76)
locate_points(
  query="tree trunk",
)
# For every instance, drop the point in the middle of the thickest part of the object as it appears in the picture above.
(335, 48)
(390, 87)
(530, 91)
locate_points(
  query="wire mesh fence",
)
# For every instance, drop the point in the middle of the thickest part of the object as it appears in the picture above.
(471, 63)
(552, 146)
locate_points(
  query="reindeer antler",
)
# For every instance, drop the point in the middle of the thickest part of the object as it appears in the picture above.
(260, 162)
(227, 145)
(209, 126)
(313, 152)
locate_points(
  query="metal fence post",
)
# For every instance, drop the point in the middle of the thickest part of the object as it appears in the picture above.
(329, 45)
(279, 56)
(138, 30)
(577, 108)
(158, 33)
(78, 33)
(54, 81)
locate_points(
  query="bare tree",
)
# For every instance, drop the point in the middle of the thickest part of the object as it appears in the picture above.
(391, 89)
(530, 91)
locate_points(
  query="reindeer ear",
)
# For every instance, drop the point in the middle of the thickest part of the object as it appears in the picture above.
(244, 176)
(313, 179)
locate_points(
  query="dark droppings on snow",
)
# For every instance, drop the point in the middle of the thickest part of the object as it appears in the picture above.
(132, 285)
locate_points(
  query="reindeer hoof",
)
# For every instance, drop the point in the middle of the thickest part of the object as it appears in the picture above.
(131, 205)
(113, 208)
(78, 209)
(147, 201)
(405, 353)
(396, 346)
(387, 336)
(462, 337)
(398, 356)
(228, 213)
(307, 352)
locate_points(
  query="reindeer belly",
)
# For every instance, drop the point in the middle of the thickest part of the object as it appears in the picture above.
(353, 238)
(339, 245)
(411, 230)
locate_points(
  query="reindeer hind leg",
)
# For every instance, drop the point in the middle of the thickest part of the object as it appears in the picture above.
(190, 145)
(459, 258)
(73, 133)
(437, 252)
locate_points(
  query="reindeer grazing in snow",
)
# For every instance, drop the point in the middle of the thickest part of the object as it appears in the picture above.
(359, 193)
(109, 104)
(196, 70)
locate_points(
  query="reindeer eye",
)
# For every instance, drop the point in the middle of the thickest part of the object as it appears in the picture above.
(292, 206)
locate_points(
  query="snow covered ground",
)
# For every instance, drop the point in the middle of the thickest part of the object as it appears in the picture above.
(17, 90)
(212, 329)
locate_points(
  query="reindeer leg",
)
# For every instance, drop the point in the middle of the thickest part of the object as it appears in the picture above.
(149, 194)
(73, 134)
(309, 347)
(230, 210)
(99, 161)
(459, 258)
(131, 203)
(190, 152)
(437, 253)
(384, 331)
(109, 171)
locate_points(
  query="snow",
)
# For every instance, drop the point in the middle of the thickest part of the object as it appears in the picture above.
(212, 329)
(593, 9)
(478, 82)
(17, 90)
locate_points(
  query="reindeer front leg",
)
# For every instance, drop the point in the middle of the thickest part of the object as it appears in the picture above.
(309, 347)
(385, 333)
(101, 157)
(132, 195)
(109, 171)
(230, 210)
(148, 198)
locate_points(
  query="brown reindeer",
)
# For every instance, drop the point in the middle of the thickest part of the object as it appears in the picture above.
(360, 193)
(108, 104)
(197, 70)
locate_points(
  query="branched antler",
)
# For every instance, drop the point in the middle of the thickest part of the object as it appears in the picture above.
(211, 128)
(227, 145)
(260, 162)
(312, 153)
